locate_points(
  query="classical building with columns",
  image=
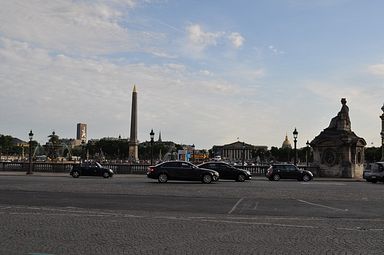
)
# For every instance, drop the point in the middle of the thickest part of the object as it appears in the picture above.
(234, 151)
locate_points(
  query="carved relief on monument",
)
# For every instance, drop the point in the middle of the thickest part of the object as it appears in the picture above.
(329, 157)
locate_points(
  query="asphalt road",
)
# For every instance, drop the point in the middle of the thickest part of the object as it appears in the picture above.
(131, 214)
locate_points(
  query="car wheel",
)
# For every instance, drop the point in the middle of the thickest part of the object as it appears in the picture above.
(163, 178)
(105, 174)
(207, 179)
(75, 174)
(240, 178)
(276, 177)
(306, 178)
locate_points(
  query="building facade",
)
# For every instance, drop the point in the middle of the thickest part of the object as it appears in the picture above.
(237, 151)
(81, 133)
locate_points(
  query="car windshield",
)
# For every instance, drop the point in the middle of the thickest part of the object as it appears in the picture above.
(377, 167)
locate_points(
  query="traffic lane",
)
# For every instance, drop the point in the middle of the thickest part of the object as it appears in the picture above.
(198, 204)
(141, 185)
(117, 201)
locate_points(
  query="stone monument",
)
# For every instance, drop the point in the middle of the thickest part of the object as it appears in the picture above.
(382, 134)
(337, 151)
(133, 152)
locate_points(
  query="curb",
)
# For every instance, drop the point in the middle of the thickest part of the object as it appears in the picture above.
(254, 178)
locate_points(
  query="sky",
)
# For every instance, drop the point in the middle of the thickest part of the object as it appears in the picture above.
(207, 72)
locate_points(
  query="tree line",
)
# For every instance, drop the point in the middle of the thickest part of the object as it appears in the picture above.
(117, 149)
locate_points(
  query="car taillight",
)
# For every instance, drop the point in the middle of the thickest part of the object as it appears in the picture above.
(150, 169)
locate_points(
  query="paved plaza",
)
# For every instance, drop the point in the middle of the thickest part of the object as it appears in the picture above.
(130, 214)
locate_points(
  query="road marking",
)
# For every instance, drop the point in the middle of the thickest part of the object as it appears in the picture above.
(234, 207)
(324, 183)
(324, 206)
(226, 220)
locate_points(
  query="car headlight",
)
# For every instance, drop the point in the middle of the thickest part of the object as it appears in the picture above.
(248, 172)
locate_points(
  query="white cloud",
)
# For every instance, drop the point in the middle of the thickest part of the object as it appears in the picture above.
(200, 39)
(274, 50)
(377, 69)
(236, 39)
(72, 27)
(57, 91)
(206, 72)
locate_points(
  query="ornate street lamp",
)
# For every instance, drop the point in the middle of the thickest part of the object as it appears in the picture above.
(307, 154)
(30, 152)
(243, 156)
(83, 150)
(382, 134)
(193, 152)
(295, 134)
(152, 135)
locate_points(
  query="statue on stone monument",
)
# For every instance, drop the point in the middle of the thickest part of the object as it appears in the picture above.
(341, 121)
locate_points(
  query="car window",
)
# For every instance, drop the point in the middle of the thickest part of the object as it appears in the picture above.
(171, 164)
(376, 167)
(279, 167)
(210, 166)
(186, 165)
(290, 168)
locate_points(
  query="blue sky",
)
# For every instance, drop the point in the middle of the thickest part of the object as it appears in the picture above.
(207, 72)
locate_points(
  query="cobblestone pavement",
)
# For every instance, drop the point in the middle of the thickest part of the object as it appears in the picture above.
(245, 221)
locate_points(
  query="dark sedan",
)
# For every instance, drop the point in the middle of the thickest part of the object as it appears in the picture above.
(90, 169)
(181, 170)
(227, 171)
(288, 171)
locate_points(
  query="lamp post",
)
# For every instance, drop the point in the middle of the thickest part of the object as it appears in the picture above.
(152, 135)
(307, 154)
(243, 156)
(82, 150)
(30, 152)
(193, 153)
(295, 134)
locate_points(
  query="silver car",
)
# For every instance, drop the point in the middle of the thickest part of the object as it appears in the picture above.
(374, 172)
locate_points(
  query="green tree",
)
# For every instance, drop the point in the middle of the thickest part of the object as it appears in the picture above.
(372, 154)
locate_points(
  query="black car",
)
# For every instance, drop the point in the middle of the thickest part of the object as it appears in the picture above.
(181, 170)
(90, 169)
(288, 171)
(228, 172)
(374, 172)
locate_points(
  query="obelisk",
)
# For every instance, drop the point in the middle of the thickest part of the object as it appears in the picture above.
(382, 134)
(133, 143)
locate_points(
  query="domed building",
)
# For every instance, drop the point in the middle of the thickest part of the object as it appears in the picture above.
(286, 143)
